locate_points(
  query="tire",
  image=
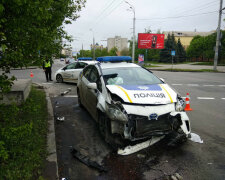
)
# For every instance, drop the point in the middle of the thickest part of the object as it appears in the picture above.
(105, 130)
(78, 99)
(59, 78)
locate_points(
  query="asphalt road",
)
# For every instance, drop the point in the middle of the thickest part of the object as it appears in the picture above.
(191, 160)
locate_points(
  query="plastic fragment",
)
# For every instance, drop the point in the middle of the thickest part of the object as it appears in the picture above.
(61, 118)
(86, 160)
(132, 149)
(196, 138)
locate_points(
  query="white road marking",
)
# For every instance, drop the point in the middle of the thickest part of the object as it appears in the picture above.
(208, 85)
(206, 98)
(177, 84)
(193, 85)
(70, 96)
(223, 98)
(222, 85)
(47, 83)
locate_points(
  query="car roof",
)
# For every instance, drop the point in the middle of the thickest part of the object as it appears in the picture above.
(88, 62)
(118, 65)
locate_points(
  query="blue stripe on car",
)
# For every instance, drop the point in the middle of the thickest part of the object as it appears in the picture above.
(154, 87)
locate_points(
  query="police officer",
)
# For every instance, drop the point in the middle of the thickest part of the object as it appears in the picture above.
(47, 67)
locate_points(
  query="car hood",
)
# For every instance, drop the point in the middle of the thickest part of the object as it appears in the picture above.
(145, 94)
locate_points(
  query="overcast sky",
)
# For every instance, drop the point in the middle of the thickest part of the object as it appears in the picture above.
(110, 18)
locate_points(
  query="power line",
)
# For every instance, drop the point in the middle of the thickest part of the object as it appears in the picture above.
(174, 17)
(202, 6)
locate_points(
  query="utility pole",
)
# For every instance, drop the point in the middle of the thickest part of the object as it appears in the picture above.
(82, 50)
(133, 46)
(218, 38)
(93, 44)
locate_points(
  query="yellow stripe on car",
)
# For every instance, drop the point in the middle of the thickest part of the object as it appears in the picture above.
(125, 94)
(166, 92)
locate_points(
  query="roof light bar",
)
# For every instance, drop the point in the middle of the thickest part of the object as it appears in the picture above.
(114, 59)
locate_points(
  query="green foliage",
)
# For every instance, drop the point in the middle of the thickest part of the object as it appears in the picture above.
(30, 30)
(172, 45)
(113, 52)
(23, 132)
(202, 48)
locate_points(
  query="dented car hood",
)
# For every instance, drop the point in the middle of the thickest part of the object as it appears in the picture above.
(144, 94)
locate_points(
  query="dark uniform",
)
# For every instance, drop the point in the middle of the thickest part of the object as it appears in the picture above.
(47, 66)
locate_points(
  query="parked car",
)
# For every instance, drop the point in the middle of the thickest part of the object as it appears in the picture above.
(130, 103)
(69, 60)
(71, 72)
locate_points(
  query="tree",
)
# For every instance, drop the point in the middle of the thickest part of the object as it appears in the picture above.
(31, 30)
(113, 52)
(180, 52)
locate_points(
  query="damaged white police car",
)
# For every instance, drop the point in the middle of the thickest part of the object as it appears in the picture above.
(129, 103)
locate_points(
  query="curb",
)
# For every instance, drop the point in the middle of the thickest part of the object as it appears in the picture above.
(51, 164)
(51, 170)
(24, 68)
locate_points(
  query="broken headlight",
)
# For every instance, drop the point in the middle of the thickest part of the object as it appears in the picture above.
(180, 104)
(115, 113)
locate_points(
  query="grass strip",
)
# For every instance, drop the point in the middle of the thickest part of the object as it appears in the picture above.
(187, 70)
(23, 133)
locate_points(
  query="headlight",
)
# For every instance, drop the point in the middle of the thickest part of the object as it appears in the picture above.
(115, 113)
(180, 104)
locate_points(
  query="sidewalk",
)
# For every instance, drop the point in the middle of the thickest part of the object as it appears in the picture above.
(186, 66)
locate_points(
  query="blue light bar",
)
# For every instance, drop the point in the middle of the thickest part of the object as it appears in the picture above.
(114, 58)
(84, 59)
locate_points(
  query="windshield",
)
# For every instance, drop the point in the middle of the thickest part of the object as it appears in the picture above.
(129, 76)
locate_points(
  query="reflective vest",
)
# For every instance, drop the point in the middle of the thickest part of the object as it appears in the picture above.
(47, 64)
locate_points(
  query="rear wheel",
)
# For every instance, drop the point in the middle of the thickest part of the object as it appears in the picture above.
(59, 78)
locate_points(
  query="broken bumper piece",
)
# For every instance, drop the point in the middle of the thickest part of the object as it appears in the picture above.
(132, 149)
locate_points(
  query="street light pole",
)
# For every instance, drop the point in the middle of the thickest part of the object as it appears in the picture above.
(133, 46)
(93, 44)
(218, 38)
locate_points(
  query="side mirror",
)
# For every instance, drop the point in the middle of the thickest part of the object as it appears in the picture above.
(92, 86)
(64, 68)
(162, 79)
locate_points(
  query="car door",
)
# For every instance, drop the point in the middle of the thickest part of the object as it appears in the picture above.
(68, 73)
(91, 94)
(83, 85)
(79, 67)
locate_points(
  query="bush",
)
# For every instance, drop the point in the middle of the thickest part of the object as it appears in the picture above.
(23, 132)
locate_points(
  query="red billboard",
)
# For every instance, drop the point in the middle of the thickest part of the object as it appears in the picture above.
(150, 41)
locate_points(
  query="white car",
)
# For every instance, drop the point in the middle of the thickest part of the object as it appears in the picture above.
(130, 103)
(71, 72)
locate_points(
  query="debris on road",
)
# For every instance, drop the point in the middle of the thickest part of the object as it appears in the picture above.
(86, 160)
(132, 149)
(61, 118)
(141, 156)
(66, 92)
(195, 138)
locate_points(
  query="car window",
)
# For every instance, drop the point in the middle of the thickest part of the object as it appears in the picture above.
(94, 78)
(81, 65)
(86, 72)
(93, 75)
(71, 66)
(129, 76)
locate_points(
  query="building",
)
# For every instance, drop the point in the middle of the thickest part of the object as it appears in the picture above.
(97, 46)
(67, 52)
(186, 36)
(118, 42)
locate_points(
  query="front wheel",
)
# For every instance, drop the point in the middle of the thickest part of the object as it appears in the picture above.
(59, 78)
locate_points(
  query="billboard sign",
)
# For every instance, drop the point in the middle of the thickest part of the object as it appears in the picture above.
(150, 41)
(140, 58)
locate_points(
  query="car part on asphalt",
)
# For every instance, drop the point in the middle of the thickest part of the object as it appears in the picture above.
(61, 119)
(195, 138)
(132, 149)
(86, 160)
